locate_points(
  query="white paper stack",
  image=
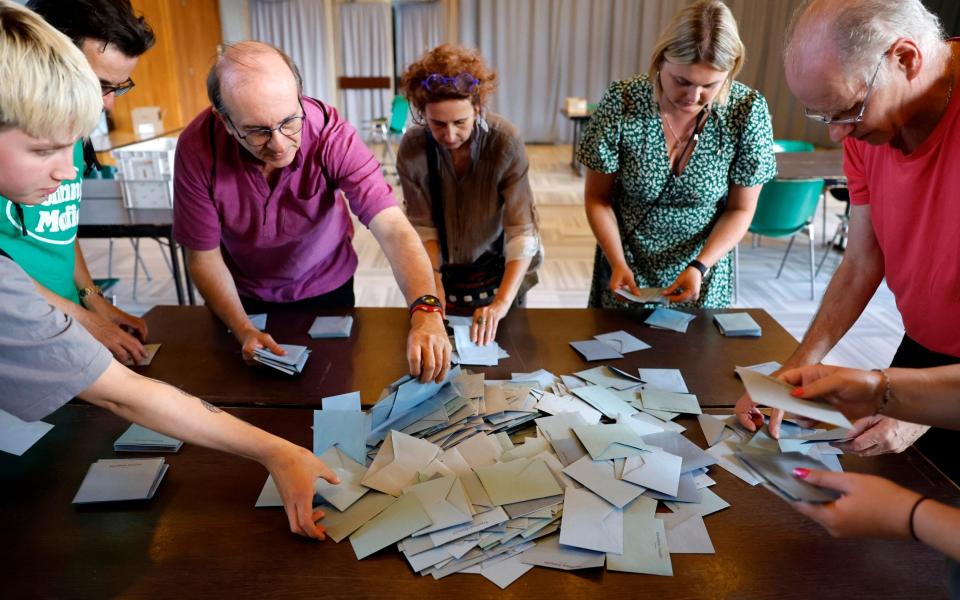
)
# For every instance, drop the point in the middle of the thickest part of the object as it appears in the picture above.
(292, 363)
(120, 479)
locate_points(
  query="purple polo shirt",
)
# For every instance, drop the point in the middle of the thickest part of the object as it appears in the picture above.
(291, 242)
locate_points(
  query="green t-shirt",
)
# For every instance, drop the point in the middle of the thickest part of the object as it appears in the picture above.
(47, 251)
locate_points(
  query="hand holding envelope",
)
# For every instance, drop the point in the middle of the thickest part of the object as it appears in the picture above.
(770, 391)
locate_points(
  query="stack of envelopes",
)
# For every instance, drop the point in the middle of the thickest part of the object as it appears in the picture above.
(291, 363)
(138, 438)
(668, 318)
(121, 479)
(331, 327)
(737, 324)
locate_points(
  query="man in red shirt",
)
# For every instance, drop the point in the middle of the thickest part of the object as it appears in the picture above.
(881, 76)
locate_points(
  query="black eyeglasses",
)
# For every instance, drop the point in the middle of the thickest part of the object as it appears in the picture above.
(289, 127)
(463, 83)
(117, 90)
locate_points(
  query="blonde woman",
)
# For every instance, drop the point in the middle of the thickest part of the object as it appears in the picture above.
(676, 160)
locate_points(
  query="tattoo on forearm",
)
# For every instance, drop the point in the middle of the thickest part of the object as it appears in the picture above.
(205, 404)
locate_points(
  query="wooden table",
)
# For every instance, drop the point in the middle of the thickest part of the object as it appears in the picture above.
(201, 357)
(820, 164)
(200, 537)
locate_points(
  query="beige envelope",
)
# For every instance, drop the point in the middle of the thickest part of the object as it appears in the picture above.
(518, 480)
(397, 463)
(445, 501)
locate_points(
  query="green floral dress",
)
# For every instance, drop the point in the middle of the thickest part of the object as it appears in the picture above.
(664, 220)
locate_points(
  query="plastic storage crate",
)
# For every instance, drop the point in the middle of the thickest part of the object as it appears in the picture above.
(145, 171)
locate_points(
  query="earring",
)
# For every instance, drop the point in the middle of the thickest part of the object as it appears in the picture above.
(482, 123)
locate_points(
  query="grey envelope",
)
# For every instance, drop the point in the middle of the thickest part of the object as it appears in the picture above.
(777, 470)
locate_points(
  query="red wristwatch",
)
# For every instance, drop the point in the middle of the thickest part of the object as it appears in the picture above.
(426, 304)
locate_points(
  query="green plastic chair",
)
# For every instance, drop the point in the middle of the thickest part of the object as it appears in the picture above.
(792, 146)
(387, 129)
(785, 208)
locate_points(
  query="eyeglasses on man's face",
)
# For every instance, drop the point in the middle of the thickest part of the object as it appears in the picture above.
(118, 90)
(289, 127)
(853, 115)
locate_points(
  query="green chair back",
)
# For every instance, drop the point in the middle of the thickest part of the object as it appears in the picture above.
(792, 146)
(399, 111)
(106, 283)
(786, 206)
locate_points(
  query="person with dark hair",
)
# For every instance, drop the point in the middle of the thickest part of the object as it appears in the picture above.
(260, 179)
(465, 186)
(42, 238)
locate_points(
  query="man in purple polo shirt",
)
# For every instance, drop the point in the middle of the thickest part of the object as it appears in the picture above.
(256, 180)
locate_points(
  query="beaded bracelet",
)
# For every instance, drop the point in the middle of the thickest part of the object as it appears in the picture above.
(887, 392)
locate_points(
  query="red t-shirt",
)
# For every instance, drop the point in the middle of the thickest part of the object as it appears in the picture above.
(915, 211)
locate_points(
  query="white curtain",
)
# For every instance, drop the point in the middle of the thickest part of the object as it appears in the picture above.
(366, 50)
(420, 27)
(546, 50)
(301, 28)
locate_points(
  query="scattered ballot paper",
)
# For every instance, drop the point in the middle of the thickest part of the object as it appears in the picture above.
(770, 391)
(331, 327)
(17, 436)
(290, 364)
(667, 318)
(622, 342)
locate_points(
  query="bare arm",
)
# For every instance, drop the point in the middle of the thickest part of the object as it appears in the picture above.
(121, 344)
(215, 283)
(727, 233)
(428, 347)
(168, 410)
(598, 203)
(849, 291)
(925, 396)
(433, 252)
(877, 508)
(99, 304)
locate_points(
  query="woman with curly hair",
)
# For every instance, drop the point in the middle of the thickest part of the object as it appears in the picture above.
(464, 177)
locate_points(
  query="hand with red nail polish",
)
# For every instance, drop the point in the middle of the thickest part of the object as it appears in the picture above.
(854, 392)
